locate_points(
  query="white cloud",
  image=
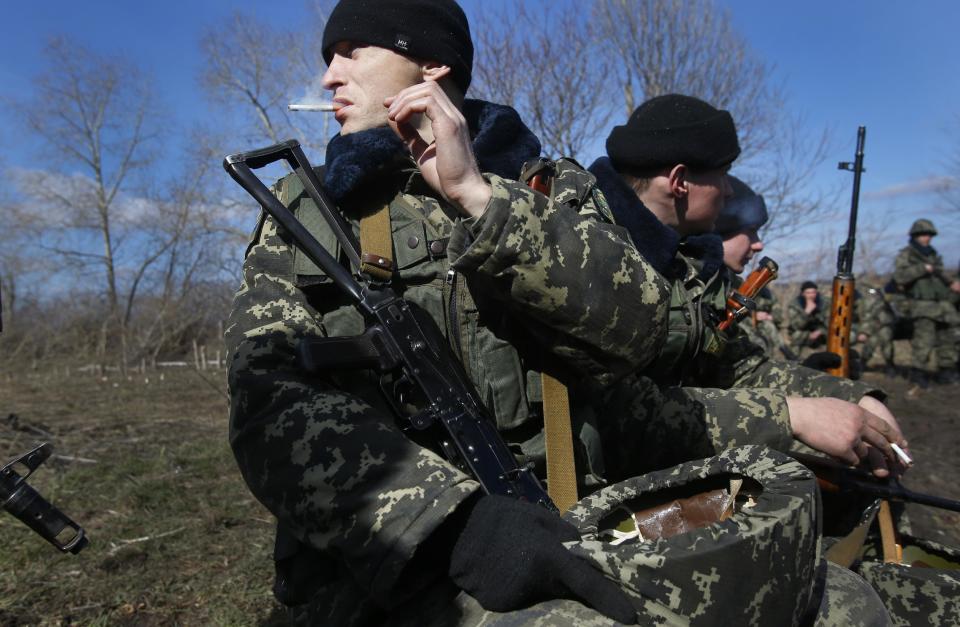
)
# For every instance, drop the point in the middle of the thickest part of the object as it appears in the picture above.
(919, 186)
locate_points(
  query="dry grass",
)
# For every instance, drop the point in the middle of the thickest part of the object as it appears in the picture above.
(175, 537)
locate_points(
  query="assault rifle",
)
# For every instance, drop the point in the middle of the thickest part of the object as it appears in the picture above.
(841, 311)
(834, 477)
(400, 342)
(21, 500)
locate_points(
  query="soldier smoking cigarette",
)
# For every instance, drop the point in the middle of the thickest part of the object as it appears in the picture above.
(322, 106)
(901, 454)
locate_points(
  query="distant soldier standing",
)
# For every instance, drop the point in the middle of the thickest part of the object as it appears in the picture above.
(918, 272)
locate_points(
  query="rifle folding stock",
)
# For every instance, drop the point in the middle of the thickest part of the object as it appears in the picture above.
(398, 340)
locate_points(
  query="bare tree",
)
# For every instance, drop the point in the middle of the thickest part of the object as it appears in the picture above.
(97, 120)
(546, 65)
(255, 70)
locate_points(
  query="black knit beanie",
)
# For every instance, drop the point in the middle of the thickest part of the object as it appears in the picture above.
(746, 209)
(431, 30)
(673, 129)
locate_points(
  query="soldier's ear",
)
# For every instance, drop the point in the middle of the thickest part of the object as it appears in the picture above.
(434, 71)
(678, 180)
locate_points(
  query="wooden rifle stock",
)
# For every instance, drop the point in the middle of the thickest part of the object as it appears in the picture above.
(841, 323)
(741, 301)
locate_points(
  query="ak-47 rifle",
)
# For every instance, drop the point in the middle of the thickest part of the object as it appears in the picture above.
(26, 504)
(844, 284)
(402, 344)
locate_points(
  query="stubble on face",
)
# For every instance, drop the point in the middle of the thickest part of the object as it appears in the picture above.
(361, 77)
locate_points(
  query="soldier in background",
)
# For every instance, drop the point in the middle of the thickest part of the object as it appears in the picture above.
(875, 320)
(932, 298)
(739, 224)
(807, 320)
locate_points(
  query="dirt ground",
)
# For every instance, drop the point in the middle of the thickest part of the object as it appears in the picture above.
(931, 423)
(175, 537)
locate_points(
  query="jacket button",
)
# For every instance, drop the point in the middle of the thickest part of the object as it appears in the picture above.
(436, 247)
(413, 241)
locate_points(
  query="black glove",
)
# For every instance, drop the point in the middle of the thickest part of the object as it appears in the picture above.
(822, 360)
(509, 556)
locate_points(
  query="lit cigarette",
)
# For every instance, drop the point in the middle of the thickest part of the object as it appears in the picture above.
(901, 454)
(322, 106)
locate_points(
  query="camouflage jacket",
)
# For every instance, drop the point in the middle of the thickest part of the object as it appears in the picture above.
(732, 395)
(800, 323)
(326, 455)
(911, 276)
(871, 310)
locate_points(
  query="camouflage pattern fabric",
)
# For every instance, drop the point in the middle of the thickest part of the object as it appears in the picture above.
(921, 592)
(800, 324)
(735, 396)
(760, 566)
(757, 566)
(936, 324)
(325, 454)
(874, 319)
(849, 600)
(763, 333)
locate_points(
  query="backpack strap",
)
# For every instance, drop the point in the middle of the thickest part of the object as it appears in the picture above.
(558, 430)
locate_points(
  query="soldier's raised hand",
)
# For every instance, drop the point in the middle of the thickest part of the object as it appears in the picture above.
(438, 137)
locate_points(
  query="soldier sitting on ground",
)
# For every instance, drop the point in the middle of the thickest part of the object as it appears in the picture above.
(739, 224)
(666, 180)
(807, 320)
(932, 297)
(374, 525)
(874, 327)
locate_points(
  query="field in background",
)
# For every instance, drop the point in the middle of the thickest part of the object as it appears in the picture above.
(176, 538)
(144, 466)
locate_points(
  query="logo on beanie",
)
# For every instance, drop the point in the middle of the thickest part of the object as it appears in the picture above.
(402, 43)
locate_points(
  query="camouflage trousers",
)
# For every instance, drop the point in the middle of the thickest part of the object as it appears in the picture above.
(937, 339)
(847, 601)
(879, 342)
(761, 564)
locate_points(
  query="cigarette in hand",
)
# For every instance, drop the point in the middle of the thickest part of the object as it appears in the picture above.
(901, 454)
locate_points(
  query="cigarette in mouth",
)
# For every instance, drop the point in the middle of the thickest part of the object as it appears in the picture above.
(901, 454)
(322, 106)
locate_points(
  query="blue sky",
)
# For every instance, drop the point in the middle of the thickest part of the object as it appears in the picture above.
(890, 66)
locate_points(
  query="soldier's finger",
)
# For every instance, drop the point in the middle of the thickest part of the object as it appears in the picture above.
(877, 463)
(875, 438)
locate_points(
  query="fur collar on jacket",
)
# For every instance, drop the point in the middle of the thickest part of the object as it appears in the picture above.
(501, 143)
(655, 241)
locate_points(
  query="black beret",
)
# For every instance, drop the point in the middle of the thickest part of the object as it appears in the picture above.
(746, 209)
(432, 30)
(673, 129)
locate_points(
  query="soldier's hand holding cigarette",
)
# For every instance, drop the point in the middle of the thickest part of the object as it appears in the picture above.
(437, 135)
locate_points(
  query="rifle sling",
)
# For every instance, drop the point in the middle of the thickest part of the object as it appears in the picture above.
(376, 244)
(557, 427)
